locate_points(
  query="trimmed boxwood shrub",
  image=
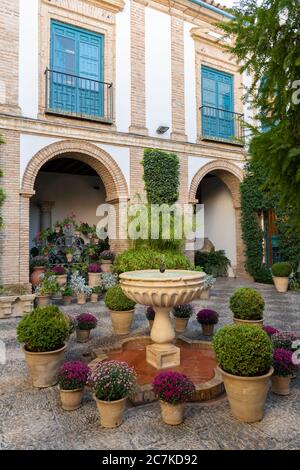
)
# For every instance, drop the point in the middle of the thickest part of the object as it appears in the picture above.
(243, 350)
(116, 300)
(247, 304)
(44, 329)
(282, 269)
(147, 258)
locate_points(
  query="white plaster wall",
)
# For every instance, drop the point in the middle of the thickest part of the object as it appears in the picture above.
(189, 84)
(194, 165)
(121, 155)
(158, 71)
(219, 216)
(28, 58)
(123, 69)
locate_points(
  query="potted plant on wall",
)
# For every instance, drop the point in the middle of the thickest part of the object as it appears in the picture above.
(48, 287)
(43, 333)
(71, 379)
(69, 252)
(79, 287)
(57, 227)
(85, 322)
(173, 391)
(207, 285)
(208, 319)
(281, 273)
(38, 265)
(96, 291)
(106, 261)
(247, 306)
(121, 310)
(150, 314)
(182, 314)
(111, 382)
(60, 274)
(284, 370)
(67, 295)
(94, 273)
(244, 354)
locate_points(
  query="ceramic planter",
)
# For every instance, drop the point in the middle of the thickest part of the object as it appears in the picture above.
(121, 321)
(106, 266)
(247, 395)
(280, 385)
(69, 257)
(81, 299)
(205, 293)
(42, 300)
(62, 279)
(172, 414)
(181, 324)
(43, 366)
(71, 399)
(67, 300)
(281, 284)
(36, 276)
(111, 412)
(94, 298)
(238, 321)
(82, 336)
(94, 279)
(207, 330)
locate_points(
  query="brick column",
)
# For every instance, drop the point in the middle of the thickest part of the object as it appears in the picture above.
(24, 236)
(137, 186)
(177, 54)
(138, 94)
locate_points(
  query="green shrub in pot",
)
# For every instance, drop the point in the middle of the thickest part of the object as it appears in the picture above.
(281, 269)
(247, 304)
(121, 310)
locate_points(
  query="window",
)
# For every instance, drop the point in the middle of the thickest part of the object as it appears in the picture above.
(76, 71)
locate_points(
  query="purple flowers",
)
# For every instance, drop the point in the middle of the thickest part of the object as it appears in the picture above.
(58, 270)
(150, 313)
(112, 380)
(86, 321)
(270, 330)
(284, 339)
(173, 387)
(72, 375)
(283, 363)
(207, 316)
(107, 255)
(94, 268)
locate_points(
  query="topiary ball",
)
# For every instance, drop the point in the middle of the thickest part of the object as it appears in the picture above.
(243, 350)
(247, 304)
(281, 269)
(116, 300)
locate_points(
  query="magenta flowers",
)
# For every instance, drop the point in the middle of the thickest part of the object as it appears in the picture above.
(72, 375)
(112, 380)
(207, 316)
(283, 363)
(270, 330)
(86, 321)
(173, 387)
(58, 270)
(94, 268)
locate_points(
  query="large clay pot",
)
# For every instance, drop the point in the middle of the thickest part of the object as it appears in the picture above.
(281, 284)
(238, 321)
(106, 266)
(82, 336)
(207, 330)
(205, 294)
(121, 321)
(94, 279)
(81, 299)
(43, 366)
(280, 385)
(42, 300)
(62, 279)
(247, 395)
(111, 412)
(172, 414)
(181, 324)
(71, 399)
(36, 276)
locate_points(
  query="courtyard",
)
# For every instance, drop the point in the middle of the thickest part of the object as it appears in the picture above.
(33, 419)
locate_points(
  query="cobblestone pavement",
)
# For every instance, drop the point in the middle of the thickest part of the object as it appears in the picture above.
(32, 418)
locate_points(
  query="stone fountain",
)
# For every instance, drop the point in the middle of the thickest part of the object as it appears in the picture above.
(162, 291)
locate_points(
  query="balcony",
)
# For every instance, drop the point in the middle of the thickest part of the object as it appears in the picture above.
(78, 97)
(222, 126)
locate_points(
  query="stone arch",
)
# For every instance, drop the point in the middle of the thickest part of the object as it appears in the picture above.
(107, 169)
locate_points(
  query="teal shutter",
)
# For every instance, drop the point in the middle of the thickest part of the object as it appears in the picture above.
(217, 104)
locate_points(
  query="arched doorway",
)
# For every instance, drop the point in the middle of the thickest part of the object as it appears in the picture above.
(216, 185)
(68, 176)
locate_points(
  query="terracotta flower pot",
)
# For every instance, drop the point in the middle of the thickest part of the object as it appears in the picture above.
(205, 294)
(42, 300)
(111, 412)
(82, 336)
(238, 321)
(172, 414)
(94, 279)
(181, 324)
(106, 266)
(121, 321)
(94, 298)
(247, 395)
(57, 229)
(281, 284)
(71, 399)
(69, 257)
(280, 385)
(81, 299)
(207, 330)
(43, 366)
(62, 279)
(67, 300)
(37, 274)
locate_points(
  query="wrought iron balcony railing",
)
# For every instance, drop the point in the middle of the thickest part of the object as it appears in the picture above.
(74, 96)
(221, 125)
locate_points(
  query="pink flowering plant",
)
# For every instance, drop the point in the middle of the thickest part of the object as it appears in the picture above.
(72, 375)
(206, 316)
(173, 387)
(86, 321)
(270, 330)
(112, 380)
(107, 255)
(284, 339)
(94, 268)
(283, 363)
(58, 270)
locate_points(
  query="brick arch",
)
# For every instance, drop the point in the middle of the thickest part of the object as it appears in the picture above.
(107, 169)
(229, 173)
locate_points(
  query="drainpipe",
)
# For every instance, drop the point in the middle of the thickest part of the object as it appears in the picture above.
(208, 6)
